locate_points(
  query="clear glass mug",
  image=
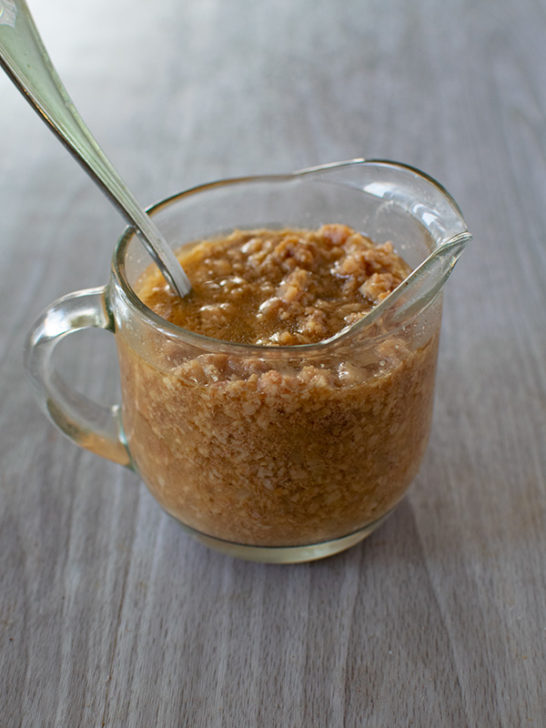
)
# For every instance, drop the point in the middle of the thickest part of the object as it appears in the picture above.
(276, 454)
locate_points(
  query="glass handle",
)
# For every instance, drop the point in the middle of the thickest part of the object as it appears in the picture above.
(92, 426)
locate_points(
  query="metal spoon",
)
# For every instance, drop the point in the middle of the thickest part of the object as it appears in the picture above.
(26, 61)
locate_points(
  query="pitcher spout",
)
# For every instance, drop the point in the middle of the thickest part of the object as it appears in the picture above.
(409, 207)
(424, 284)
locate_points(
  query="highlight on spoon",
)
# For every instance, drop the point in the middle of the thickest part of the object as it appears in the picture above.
(24, 58)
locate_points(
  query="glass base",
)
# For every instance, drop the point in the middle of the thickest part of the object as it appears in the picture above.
(287, 554)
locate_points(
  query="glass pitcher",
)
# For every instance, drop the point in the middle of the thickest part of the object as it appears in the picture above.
(275, 454)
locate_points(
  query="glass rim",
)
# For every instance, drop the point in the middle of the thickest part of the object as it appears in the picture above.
(202, 341)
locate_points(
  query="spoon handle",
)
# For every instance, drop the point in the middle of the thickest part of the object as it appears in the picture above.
(26, 61)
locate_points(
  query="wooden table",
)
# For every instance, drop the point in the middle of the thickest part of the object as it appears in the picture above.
(109, 614)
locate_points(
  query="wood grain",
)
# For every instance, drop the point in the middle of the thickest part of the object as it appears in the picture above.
(109, 614)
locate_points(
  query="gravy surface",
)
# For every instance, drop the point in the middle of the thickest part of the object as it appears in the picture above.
(278, 287)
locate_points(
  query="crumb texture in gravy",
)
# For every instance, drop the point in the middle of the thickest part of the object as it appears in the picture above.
(277, 450)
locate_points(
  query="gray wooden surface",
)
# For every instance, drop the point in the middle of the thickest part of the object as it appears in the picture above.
(109, 614)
